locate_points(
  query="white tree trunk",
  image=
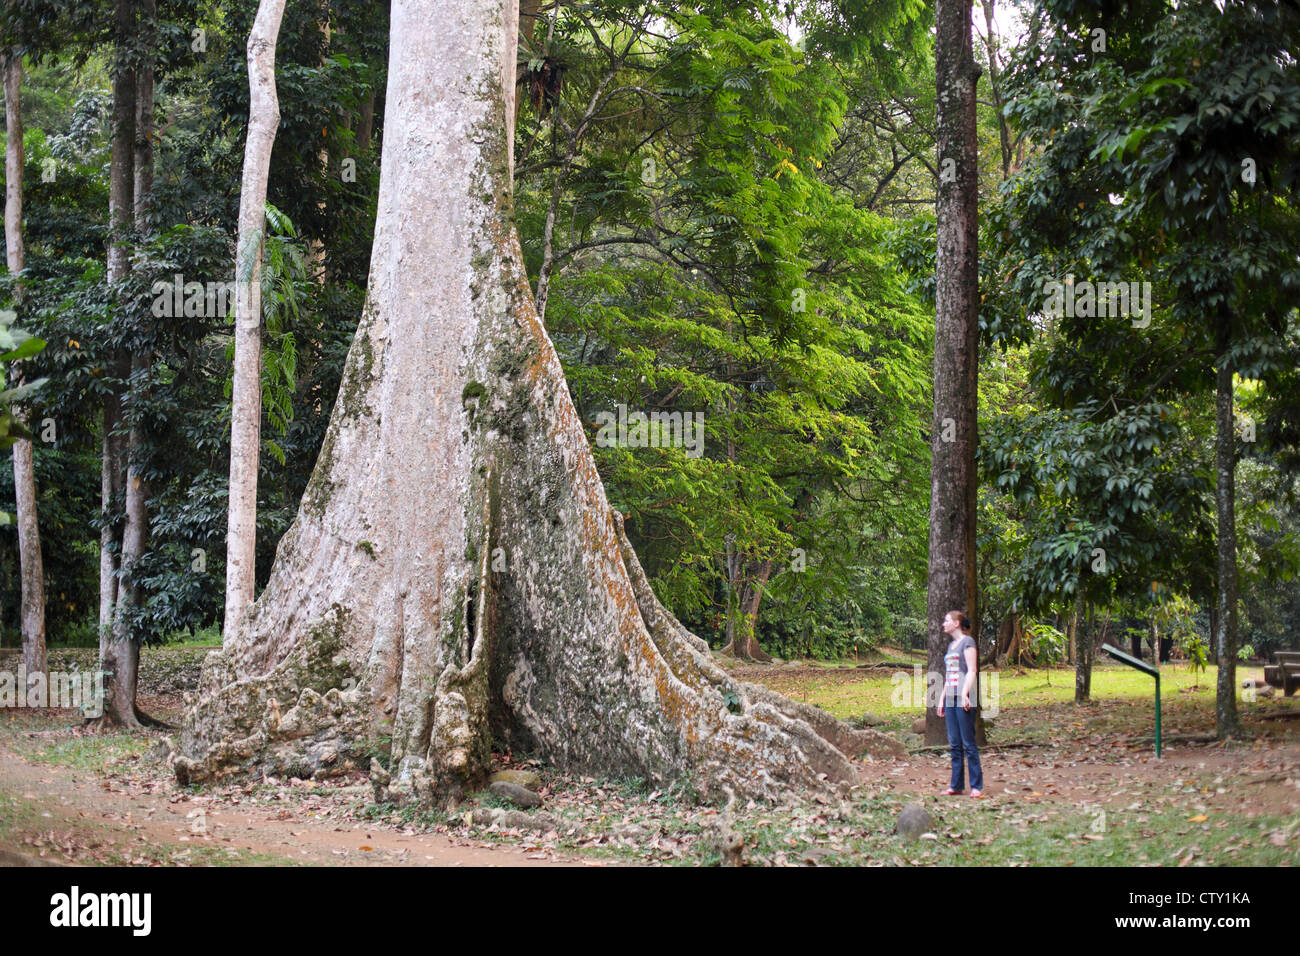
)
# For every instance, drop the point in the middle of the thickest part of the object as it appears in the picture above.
(31, 571)
(455, 573)
(246, 407)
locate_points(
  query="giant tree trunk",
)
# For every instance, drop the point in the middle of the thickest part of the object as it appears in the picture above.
(455, 573)
(956, 342)
(31, 569)
(246, 407)
(1226, 719)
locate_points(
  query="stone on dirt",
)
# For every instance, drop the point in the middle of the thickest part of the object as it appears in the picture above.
(519, 796)
(528, 779)
(913, 821)
(512, 819)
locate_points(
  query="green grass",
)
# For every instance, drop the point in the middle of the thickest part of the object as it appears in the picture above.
(100, 753)
(846, 695)
(994, 834)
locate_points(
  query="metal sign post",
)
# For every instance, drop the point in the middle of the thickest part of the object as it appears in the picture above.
(1145, 668)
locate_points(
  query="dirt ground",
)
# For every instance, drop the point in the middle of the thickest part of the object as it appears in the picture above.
(135, 814)
(66, 803)
(1093, 756)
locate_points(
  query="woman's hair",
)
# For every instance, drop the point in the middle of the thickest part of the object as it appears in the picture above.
(962, 619)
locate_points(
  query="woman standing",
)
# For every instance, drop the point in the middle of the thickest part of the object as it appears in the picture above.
(955, 704)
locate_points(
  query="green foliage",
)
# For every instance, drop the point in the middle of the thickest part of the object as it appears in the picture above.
(705, 267)
(15, 345)
(285, 287)
(1046, 643)
(1137, 175)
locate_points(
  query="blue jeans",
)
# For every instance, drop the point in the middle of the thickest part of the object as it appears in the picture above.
(961, 739)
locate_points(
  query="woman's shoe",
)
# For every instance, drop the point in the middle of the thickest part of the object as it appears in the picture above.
(977, 793)
(950, 792)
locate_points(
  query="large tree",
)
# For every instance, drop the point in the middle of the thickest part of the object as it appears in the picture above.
(455, 573)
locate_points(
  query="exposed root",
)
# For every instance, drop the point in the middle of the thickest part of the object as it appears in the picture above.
(728, 841)
(460, 741)
(685, 649)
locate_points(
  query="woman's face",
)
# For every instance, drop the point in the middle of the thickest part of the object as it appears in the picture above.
(949, 624)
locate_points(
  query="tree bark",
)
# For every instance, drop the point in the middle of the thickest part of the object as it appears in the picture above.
(956, 341)
(1082, 651)
(748, 579)
(246, 401)
(1226, 719)
(120, 659)
(455, 573)
(121, 190)
(31, 568)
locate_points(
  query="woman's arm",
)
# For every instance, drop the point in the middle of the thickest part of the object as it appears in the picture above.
(970, 677)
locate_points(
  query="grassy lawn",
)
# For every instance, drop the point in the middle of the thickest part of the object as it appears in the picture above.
(1001, 834)
(848, 692)
(100, 753)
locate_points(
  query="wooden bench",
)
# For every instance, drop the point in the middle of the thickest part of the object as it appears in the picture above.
(1285, 673)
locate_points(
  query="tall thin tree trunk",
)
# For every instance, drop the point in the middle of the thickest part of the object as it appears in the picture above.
(1004, 132)
(31, 569)
(529, 11)
(121, 662)
(246, 407)
(121, 191)
(366, 121)
(1227, 721)
(110, 490)
(956, 340)
(455, 574)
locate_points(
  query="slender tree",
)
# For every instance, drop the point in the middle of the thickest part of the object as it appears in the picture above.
(131, 194)
(246, 407)
(953, 479)
(29, 535)
(121, 188)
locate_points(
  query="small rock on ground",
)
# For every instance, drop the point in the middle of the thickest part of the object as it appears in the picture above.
(527, 779)
(519, 796)
(913, 821)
